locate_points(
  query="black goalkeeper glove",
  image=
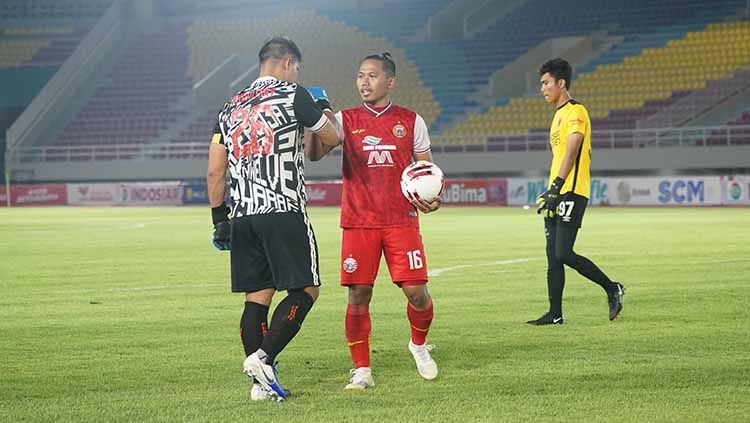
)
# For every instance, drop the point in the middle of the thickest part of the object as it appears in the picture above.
(550, 199)
(222, 228)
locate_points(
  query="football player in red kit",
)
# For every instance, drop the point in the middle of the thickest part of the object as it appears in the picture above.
(380, 139)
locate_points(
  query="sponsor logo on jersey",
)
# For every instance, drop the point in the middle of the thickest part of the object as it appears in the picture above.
(399, 130)
(357, 131)
(380, 158)
(350, 265)
(371, 140)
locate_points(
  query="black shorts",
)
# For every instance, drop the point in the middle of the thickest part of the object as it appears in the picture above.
(275, 250)
(571, 209)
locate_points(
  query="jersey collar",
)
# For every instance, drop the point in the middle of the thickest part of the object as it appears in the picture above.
(570, 101)
(264, 79)
(376, 113)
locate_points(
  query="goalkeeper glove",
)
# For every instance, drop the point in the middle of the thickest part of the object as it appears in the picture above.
(222, 228)
(549, 199)
(321, 98)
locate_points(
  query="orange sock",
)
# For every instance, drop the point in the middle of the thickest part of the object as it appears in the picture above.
(358, 327)
(420, 319)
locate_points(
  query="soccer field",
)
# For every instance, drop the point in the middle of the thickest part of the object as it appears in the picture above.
(125, 314)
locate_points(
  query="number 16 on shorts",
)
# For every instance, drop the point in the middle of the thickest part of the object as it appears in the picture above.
(415, 260)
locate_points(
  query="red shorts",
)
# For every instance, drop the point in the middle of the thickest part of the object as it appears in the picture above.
(361, 250)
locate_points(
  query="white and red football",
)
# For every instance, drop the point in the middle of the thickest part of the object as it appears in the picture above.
(424, 179)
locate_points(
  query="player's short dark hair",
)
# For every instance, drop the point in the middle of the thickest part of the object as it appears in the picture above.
(558, 69)
(389, 66)
(279, 48)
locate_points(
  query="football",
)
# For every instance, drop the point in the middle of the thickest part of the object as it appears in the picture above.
(422, 179)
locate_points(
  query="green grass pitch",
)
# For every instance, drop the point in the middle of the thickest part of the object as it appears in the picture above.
(125, 314)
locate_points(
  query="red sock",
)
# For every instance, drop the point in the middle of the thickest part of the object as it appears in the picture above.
(420, 319)
(358, 327)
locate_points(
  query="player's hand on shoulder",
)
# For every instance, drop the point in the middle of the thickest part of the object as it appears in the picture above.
(320, 96)
(222, 235)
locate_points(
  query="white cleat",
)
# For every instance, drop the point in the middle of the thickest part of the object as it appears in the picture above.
(258, 393)
(361, 378)
(265, 375)
(426, 366)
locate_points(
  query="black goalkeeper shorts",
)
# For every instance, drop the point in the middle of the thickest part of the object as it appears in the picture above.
(274, 250)
(571, 209)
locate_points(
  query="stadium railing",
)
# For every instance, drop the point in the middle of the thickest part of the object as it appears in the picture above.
(706, 136)
(698, 102)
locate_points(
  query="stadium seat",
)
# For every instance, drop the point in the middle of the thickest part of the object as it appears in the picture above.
(654, 78)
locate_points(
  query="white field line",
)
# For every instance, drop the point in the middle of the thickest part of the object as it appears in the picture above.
(438, 272)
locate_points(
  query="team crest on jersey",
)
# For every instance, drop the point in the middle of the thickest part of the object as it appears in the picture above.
(350, 265)
(371, 140)
(399, 130)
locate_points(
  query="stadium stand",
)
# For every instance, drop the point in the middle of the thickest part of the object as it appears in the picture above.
(396, 20)
(737, 133)
(140, 98)
(133, 105)
(467, 64)
(692, 106)
(330, 58)
(52, 9)
(36, 37)
(654, 74)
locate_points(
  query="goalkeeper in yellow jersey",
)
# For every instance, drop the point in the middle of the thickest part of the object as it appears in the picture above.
(564, 203)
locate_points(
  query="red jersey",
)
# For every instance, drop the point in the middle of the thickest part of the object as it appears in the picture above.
(378, 145)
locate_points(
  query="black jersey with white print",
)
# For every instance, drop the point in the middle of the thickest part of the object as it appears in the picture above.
(261, 128)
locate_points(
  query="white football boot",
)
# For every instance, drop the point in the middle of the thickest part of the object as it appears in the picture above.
(361, 378)
(265, 375)
(426, 366)
(258, 393)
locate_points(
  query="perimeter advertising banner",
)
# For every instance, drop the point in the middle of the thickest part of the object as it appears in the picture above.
(3, 197)
(323, 193)
(735, 190)
(150, 194)
(667, 191)
(524, 191)
(476, 192)
(93, 194)
(628, 191)
(466, 192)
(38, 195)
(195, 193)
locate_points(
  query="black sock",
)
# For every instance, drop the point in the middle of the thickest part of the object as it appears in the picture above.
(555, 271)
(555, 286)
(253, 326)
(286, 322)
(590, 271)
(566, 238)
